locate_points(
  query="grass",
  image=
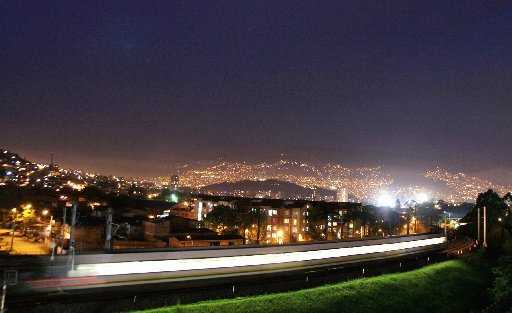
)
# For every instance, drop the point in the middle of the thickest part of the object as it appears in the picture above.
(451, 286)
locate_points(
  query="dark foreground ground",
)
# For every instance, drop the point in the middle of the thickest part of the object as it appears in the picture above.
(451, 286)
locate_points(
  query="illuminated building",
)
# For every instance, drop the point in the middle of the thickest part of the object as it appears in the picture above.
(342, 195)
(175, 181)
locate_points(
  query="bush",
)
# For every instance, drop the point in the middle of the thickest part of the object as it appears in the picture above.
(501, 290)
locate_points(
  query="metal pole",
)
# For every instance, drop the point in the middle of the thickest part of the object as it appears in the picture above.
(108, 231)
(485, 227)
(4, 294)
(51, 222)
(64, 215)
(478, 226)
(52, 242)
(72, 235)
(52, 257)
(445, 222)
(12, 237)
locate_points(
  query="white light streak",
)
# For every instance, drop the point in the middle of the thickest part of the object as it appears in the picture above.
(142, 267)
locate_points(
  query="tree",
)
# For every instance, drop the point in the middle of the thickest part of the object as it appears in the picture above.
(223, 219)
(259, 224)
(363, 216)
(28, 212)
(93, 193)
(499, 219)
(410, 213)
(251, 223)
(392, 222)
(244, 221)
(318, 218)
(506, 222)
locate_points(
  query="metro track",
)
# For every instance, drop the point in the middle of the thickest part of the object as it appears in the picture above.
(133, 290)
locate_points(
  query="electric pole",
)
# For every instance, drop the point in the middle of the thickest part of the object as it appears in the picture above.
(485, 227)
(4, 294)
(478, 226)
(108, 231)
(72, 235)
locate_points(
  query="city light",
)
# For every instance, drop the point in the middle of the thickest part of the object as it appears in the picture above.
(364, 184)
(385, 200)
(421, 197)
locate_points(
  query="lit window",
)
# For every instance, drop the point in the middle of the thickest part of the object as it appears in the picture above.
(286, 220)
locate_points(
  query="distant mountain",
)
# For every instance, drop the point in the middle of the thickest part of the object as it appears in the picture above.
(498, 175)
(287, 179)
(270, 188)
(362, 184)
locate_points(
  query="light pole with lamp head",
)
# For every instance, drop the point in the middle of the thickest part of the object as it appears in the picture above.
(14, 212)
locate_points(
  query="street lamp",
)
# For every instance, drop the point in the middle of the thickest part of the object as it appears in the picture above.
(445, 224)
(45, 212)
(14, 212)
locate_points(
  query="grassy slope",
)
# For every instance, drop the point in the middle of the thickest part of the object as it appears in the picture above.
(451, 286)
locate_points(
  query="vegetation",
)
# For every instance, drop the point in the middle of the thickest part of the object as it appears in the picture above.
(499, 240)
(501, 291)
(223, 219)
(227, 220)
(452, 286)
(499, 220)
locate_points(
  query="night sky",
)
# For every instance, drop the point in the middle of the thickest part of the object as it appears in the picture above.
(132, 87)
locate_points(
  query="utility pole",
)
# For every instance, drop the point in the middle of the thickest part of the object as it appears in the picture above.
(478, 226)
(485, 227)
(445, 222)
(52, 240)
(72, 235)
(50, 228)
(108, 231)
(64, 214)
(4, 294)
(12, 237)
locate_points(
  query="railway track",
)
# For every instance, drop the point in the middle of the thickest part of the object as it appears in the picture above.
(207, 274)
